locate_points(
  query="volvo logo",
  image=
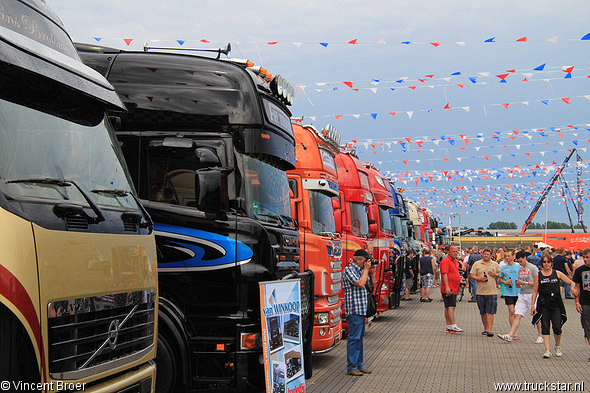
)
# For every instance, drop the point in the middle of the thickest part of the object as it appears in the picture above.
(112, 336)
(113, 333)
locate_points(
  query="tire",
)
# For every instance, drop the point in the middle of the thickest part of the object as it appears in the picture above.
(166, 370)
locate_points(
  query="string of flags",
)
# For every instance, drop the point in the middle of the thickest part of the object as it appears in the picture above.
(355, 41)
(426, 81)
(448, 106)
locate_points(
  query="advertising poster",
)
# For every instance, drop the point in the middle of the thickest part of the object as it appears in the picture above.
(282, 337)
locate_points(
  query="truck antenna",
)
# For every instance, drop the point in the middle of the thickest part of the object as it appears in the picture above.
(219, 51)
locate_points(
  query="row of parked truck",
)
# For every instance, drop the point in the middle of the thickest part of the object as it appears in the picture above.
(187, 162)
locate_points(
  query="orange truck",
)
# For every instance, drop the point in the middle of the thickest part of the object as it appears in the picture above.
(314, 183)
(381, 231)
(351, 211)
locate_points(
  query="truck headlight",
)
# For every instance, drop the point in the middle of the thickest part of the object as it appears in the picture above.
(322, 318)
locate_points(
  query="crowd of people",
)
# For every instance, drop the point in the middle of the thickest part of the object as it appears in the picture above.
(531, 281)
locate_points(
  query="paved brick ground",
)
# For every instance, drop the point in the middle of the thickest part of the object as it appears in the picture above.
(408, 350)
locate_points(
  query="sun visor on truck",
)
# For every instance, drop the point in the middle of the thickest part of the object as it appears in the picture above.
(32, 41)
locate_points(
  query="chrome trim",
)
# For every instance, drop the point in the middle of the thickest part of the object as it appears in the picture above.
(98, 303)
(100, 368)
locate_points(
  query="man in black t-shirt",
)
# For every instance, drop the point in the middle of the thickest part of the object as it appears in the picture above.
(582, 288)
(408, 273)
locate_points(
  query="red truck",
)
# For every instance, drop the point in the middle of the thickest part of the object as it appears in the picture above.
(381, 231)
(314, 182)
(351, 211)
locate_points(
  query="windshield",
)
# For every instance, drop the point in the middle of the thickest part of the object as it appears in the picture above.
(359, 219)
(405, 232)
(321, 212)
(385, 219)
(267, 191)
(44, 156)
(397, 226)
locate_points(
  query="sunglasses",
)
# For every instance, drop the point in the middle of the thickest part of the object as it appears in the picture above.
(547, 262)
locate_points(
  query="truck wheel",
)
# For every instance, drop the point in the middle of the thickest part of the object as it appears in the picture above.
(166, 374)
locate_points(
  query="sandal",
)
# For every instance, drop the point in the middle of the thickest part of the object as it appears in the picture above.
(484, 333)
(490, 334)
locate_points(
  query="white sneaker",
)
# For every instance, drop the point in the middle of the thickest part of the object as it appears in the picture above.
(457, 329)
(547, 355)
(505, 337)
(539, 340)
(558, 351)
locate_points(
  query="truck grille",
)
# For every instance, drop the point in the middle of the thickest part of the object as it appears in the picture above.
(94, 334)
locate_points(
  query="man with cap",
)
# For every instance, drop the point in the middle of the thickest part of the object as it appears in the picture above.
(355, 307)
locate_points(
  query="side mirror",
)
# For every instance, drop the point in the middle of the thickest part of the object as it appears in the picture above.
(208, 192)
(206, 157)
(335, 204)
(373, 213)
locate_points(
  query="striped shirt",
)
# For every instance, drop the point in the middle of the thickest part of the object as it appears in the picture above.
(355, 298)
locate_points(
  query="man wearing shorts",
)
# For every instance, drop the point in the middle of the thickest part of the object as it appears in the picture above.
(449, 287)
(426, 269)
(508, 277)
(582, 285)
(526, 279)
(485, 272)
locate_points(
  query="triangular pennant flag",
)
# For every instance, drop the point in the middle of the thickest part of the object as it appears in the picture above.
(492, 39)
(338, 117)
(586, 37)
(391, 113)
(353, 42)
(180, 42)
(410, 113)
(349, 84)
(447, 106)
(505, 105)
(97, 39)
(128, 41)
(297, 44)
(434, 43)
(273, 43)
(566, 100)
(374, 116)
(324, 44)
(522, 39)
(554, 39)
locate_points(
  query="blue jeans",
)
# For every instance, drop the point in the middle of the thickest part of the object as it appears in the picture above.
(472, 287)
(354, 342)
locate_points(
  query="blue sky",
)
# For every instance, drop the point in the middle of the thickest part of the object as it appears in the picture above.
(422, 84)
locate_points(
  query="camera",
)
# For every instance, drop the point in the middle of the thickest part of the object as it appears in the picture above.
(374, 262)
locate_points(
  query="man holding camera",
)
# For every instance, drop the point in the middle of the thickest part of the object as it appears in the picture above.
(354, 279)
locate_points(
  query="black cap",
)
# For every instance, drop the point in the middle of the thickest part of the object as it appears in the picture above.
(362, 253)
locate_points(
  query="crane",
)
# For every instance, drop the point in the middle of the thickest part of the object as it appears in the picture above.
(548, 187)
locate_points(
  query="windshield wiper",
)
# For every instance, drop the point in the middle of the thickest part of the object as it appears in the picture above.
(272, 215)
(115, 192)
(43, 180)
(129, 216)
(62, 210)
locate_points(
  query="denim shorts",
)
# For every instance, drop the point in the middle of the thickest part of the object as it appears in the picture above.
(487, 304)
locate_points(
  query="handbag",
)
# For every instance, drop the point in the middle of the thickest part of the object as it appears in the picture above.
(371, 303)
